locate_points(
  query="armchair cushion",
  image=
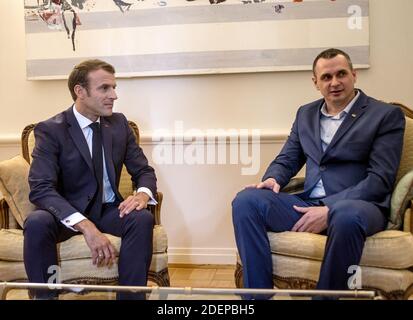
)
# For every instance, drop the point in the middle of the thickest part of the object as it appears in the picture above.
(302, 271)
(386, 249)
(401, 197)
(74, 257)
(11, 245)
(15, 187)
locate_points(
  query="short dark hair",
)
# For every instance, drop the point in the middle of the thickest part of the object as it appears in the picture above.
(80, 73)
(330, 54)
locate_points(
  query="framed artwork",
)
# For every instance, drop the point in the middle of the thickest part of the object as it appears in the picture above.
(176, 37)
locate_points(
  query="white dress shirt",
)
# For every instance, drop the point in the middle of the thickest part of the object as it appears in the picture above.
(108, 194)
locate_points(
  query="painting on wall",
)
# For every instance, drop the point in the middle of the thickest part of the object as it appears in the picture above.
(176, 37)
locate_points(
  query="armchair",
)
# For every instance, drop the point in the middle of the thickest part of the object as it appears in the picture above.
(387, 260)
(74, 255)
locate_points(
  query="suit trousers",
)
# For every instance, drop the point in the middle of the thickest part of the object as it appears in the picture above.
(42, 231)
(257, 211)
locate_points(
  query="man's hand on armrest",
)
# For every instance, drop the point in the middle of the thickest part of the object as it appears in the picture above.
(270, 183)
(103, 252)
(137, 201)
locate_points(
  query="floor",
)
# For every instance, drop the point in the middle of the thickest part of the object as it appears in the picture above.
(200, 276)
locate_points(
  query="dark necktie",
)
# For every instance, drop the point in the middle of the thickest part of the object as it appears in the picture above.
(97, 158)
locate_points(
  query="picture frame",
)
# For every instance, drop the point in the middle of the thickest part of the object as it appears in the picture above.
(178, 37)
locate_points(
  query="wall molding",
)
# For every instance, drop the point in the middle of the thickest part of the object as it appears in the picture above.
(9, 146)
(216, 256)
(265, 137)
(9, 140)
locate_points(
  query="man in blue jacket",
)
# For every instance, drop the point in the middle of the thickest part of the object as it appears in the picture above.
(74, 183)
(351, 145)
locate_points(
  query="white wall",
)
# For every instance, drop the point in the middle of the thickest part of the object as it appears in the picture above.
(196, 211)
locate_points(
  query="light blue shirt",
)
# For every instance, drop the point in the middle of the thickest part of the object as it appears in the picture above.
(84, 123)
(329, 125)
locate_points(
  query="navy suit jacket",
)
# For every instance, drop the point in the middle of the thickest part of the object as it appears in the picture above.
(61, 175)
(360, 163)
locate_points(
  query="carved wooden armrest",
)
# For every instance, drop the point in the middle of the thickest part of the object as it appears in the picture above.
(411, 214)
(295, 185)
(156, 209)
(4, 214)
(408, 221)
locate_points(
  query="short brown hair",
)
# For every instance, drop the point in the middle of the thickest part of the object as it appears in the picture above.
(330, 54)
(80, 73)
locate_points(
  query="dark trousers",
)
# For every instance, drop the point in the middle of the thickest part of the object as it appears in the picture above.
(42, 231)
(256, 211)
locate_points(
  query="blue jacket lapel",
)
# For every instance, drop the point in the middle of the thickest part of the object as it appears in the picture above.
(77, 136)
(316, 129)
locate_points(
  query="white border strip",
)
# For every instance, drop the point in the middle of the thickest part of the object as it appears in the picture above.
(190, 39)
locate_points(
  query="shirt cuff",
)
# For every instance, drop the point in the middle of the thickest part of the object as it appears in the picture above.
(73, 219)
(152, 200)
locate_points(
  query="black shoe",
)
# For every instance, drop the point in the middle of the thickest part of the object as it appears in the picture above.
(38, 294)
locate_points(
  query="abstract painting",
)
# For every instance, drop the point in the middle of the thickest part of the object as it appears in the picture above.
(176, 37)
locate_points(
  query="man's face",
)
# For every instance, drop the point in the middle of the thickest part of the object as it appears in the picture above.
(335, 80)
(98, 99)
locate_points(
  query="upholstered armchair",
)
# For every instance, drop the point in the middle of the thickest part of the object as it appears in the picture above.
(387, 260)
(74, 255)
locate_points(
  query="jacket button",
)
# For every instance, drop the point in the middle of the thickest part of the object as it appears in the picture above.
(323, 168)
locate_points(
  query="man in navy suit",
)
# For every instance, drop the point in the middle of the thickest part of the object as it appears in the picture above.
(351, 145)
(74, 179)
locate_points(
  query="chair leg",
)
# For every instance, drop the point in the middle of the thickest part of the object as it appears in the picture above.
(391, 295)
(3, 291)
(408, 293)
(161, 278)
(238, 275)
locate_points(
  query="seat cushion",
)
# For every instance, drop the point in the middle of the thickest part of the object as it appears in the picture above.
(388, 280)
(75, 257)
(11, 245)
(295, 270)
(387, 249)
(79, 270)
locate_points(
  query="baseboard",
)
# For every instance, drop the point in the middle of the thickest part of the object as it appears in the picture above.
(199, 256)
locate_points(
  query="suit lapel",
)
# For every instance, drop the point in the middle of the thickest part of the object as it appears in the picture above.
(77, 136)
(312, 138)
(355, 113)
(316, 129)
